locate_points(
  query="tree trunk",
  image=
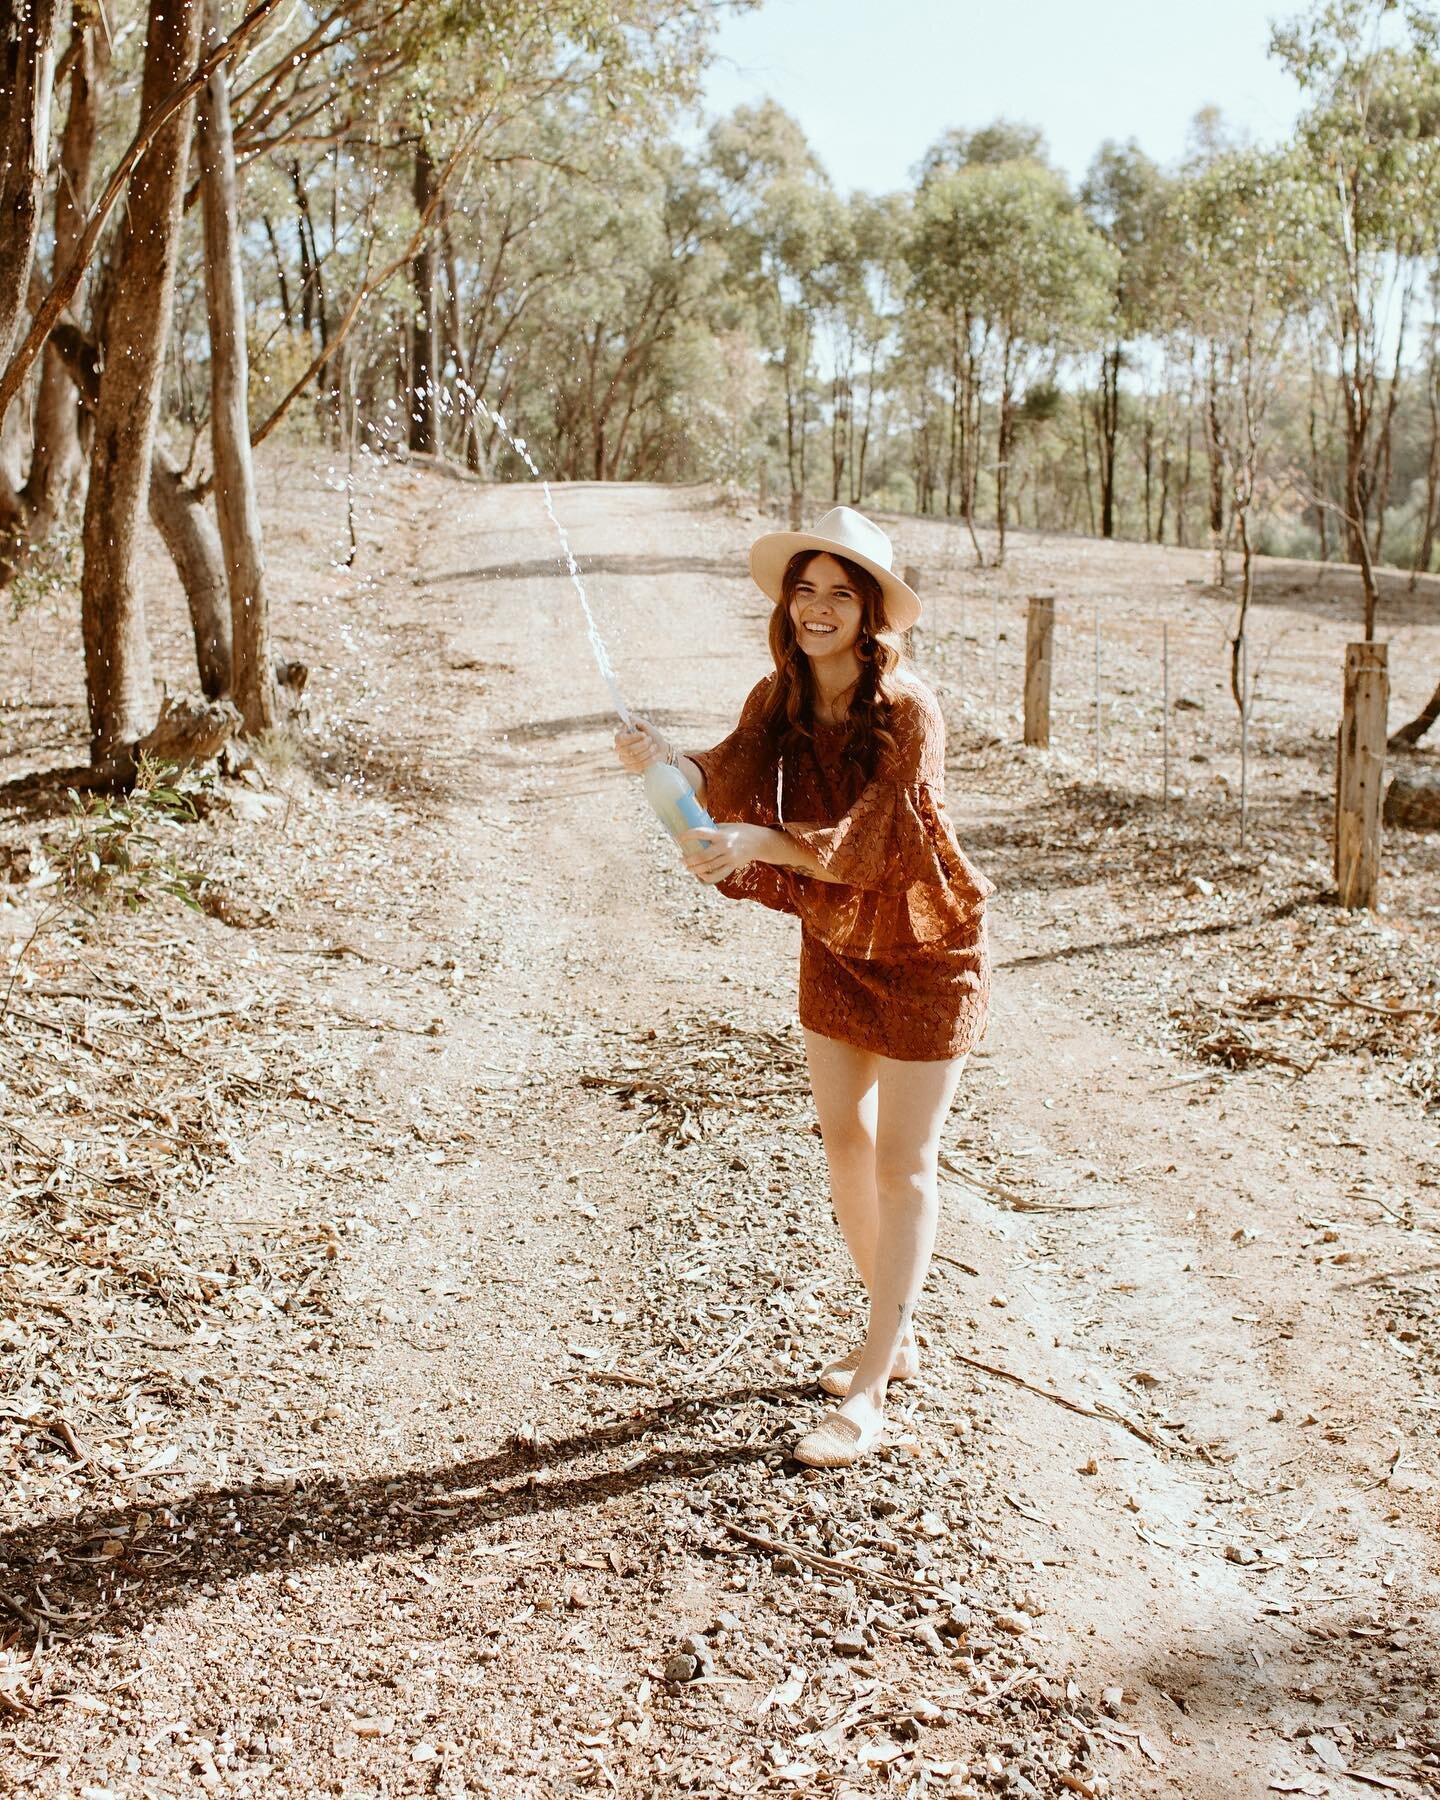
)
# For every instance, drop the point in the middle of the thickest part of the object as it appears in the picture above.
(281, 280)
(57, 462)
(27, 70)
(1409, 735)
(252, 684)
(1215, 450)
(119, 685)
(1322, 517)
(1360, 544)
(1004, 434)
(1085, 462)
(1247, 588)
(194, 545)
(1432, 469)
(425, 326)
(1108, 426)
(1182, 499)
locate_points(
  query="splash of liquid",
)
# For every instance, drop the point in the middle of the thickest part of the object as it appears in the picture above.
(592, 630)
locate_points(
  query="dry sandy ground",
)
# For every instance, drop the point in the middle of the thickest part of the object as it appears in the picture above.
(434, 1508)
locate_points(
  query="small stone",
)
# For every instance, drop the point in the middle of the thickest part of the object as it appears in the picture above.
(1113, 1699)
(1198, 888)
(882, 1506)
(957, 1621)
(850, 1643)
(1241, 1553)
(681, 1667)
(377, 1725)
(1011, 1622)
(926, 1634)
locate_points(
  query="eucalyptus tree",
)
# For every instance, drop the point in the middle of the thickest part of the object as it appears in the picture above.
(363, 85)
(118, 680)
(28, 49)
(866, 311)
(1122, 194)
(787, 242)
(1371, 132)
(1024, 279)
(601, 367)
(1245, 238)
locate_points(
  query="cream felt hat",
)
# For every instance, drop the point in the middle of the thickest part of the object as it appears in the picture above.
(840, 532)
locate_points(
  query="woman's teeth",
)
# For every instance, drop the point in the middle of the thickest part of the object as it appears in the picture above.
(822, 630)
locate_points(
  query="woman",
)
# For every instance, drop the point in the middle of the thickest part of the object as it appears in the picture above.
(829, 803)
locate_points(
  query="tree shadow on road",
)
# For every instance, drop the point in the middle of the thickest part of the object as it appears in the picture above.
(63, 1578)
(550, 568)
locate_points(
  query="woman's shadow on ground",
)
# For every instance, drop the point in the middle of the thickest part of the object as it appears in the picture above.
(57, 1579)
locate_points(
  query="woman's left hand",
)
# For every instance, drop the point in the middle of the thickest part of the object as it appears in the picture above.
(714, 852)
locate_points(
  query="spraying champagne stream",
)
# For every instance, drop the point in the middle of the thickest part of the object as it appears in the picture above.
(671, 797)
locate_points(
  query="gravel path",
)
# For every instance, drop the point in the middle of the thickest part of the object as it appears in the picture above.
(510, 1513)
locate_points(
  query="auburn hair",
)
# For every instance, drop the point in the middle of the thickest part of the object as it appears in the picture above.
(789, 712)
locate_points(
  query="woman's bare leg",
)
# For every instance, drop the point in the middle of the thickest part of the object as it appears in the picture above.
(912, 1100)
(843, 1081)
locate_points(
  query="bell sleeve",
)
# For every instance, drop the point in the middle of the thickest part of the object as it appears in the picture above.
(898, 878)
(742, 777)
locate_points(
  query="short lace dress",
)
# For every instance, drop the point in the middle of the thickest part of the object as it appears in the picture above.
(893, 955)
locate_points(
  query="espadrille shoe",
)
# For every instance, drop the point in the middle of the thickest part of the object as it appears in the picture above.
(836, 1442)
(835, 1377)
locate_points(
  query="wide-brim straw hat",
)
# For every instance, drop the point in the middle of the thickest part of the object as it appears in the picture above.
(841, 532)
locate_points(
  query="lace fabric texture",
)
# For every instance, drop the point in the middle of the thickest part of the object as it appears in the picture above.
(893, 952)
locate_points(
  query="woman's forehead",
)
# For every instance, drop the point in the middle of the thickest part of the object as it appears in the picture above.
(824, 568)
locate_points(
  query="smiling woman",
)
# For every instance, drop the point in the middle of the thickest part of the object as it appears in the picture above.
(829, 804)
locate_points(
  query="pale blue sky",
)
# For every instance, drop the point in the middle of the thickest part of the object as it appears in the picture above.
(875, 82)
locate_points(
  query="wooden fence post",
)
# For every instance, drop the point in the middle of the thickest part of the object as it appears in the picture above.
(1360, 774)
(1039, 645)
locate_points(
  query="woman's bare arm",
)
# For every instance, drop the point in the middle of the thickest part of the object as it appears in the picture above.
(787, 852)
(695, 775)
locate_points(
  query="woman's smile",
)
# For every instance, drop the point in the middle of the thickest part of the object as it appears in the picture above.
(825, 611)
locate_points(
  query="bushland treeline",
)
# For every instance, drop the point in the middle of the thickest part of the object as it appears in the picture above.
(379, 222)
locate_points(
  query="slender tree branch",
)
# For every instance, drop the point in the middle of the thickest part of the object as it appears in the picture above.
(63, 289)
(367, 288)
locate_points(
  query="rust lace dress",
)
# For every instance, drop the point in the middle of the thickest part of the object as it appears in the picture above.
(893, 956)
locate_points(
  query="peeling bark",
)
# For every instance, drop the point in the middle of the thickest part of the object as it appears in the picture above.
(194, 545)
(252, 682)
(119, 684)
(29, 33)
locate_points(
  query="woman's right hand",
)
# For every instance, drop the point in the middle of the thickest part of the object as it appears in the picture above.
(642, 745)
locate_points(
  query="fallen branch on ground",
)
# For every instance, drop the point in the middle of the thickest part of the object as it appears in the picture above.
(832, 1564)
(1100, 1411)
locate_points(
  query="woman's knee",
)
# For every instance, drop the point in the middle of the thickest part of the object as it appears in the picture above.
(904, 1182)
(849, 1147)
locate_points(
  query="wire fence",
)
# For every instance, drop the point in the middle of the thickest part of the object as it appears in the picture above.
(1143, 695)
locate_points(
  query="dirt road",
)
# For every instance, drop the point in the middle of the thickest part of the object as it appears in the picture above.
(1160, 1520)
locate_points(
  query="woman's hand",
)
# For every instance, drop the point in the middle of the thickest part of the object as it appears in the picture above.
(642, 745)
(714, 852)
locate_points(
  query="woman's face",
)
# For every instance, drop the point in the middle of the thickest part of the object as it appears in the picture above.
(826, 611)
